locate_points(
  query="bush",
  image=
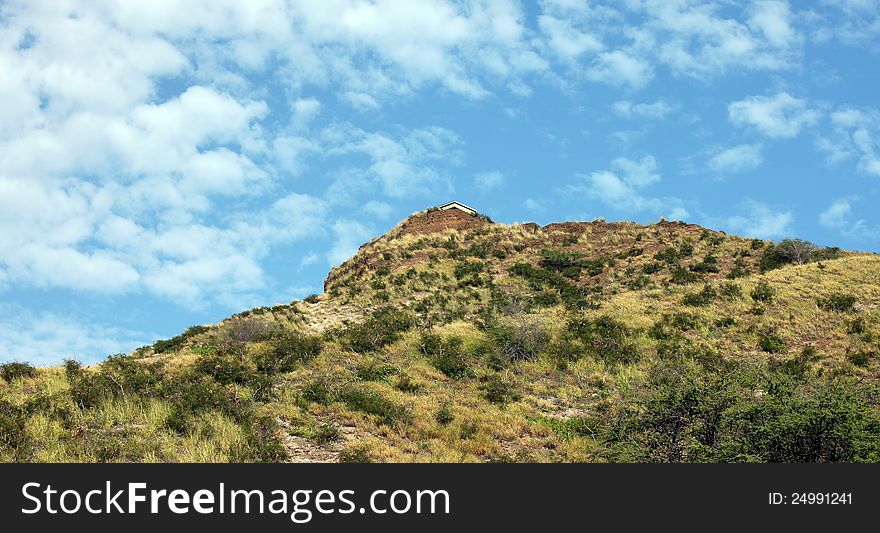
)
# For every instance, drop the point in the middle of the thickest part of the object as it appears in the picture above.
(522, 340)
(771, 343)
(606, 338)
(683, 276)
(375, 371)
(447, 355)
(730, 291)
(263, 442)
(840, 302)
(709, 264)
(671, 325)
(287, 351)
(702, 298)
(763, 292)
(444, 415)
(176, 343)
(17, 370)
(312, 299)
(794, 251)
(684, 413)
(381, 328)
(406, 384)
(860, 358)
(13, 434)
(373, 403)
(499, 391)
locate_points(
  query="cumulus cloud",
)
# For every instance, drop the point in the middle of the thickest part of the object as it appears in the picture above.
(655, 110)
(836, 215)
(839, 216)
(740, 158)
(780, 116)
(621, 187)
(854, 134)
(487, 181)
(622, 69)
(759, 220)
(349, 235)
(48, 338)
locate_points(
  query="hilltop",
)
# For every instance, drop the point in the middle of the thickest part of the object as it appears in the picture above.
(455, 338)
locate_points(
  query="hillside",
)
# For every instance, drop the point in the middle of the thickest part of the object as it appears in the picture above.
(453, 338)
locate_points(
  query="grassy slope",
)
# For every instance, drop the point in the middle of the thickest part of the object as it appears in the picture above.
(393, 404)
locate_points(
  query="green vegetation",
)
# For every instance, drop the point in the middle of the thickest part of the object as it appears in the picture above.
(576, 342)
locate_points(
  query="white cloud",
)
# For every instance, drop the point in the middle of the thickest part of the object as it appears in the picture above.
(360, 101)
(487, 181)
(759, 220)
(740, 158)
(621, 187)
(837, 214)
(534, 205)
(855, 134)
(349, 236)
(405, 165)
(706, 39)
(773, 19)
(377, 209)
(781, 116)
(622, 69)
(48, 338)
(655, 110)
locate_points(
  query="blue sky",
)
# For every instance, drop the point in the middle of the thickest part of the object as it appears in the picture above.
(165, 164)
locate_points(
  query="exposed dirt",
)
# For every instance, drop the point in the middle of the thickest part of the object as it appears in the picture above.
(437, 221)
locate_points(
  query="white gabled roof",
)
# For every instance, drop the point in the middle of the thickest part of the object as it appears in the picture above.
(457, 205)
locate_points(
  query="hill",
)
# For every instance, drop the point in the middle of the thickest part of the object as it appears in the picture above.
(453, 338)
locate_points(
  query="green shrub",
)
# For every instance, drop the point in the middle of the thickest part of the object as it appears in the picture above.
(17, 370)
(522, 340)
(739, 269)
(465, 269)
(652, 268)
(606, 338)
(176, 343)
(683, 276)
(311, 299)
(447, 355)
(730, 291)
(709, 264)
(444, 415)
(838, 302)
(373, 403)
(498, 390)
(794, 251)
(263, 442)
(406, 384)
(763, 292)
(287, 351)
(770, 342)
(684, 413)
(318, 391)
(468, 430)
(375, 371)
(702, 298)
(670, 325)
(381, 328)
(13, 433)
(857, 326)
(860, 358)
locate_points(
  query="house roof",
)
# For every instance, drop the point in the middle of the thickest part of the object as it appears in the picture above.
(458, 205)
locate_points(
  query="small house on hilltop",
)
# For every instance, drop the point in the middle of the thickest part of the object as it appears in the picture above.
(457, 205)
